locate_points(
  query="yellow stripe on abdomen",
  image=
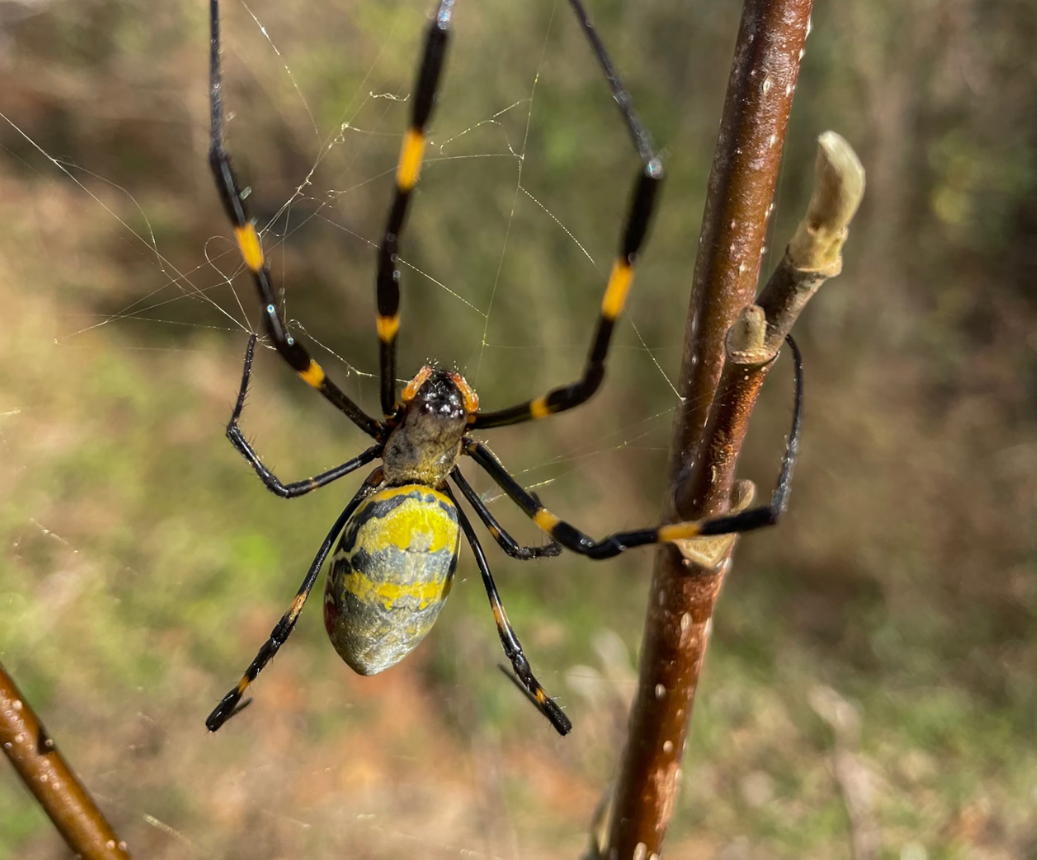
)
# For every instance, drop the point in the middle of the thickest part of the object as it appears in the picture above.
(423, 522)
(388, 594)
(391, 575)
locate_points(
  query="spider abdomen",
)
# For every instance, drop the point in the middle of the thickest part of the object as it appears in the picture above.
(390, 575)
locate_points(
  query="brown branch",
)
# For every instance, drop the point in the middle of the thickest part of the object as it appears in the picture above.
(686, 587)
(741, 187)
(709, 431)
(44, 770)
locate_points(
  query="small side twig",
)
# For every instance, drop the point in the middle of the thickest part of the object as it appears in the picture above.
(44, 770)
(815, 253)
(812, 257)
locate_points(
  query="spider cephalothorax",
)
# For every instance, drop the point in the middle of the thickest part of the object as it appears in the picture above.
(425, 444)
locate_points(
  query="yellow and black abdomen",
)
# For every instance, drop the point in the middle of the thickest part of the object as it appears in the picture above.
(390, 575)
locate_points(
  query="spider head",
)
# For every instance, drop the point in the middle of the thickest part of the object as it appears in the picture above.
(424, 447)
(441, 397)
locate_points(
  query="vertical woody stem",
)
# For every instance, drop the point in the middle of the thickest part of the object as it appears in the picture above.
(683, 591)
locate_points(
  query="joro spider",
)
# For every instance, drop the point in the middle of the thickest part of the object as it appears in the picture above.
(400, 533)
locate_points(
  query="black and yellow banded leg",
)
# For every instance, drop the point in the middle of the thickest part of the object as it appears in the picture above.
(642, 205)
(573, 539)
(269, 479)
(512, 647)
(231, 703)
(506, 541)
(622, 276)
(252, 251)
(407, 172)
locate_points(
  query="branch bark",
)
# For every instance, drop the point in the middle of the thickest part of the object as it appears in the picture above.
(729, 346)
(44, 770)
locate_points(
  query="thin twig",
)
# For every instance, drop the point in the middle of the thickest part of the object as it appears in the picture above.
(44, 770)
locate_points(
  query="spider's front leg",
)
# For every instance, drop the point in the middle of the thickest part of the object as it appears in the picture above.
(251, 249)
(407, 172)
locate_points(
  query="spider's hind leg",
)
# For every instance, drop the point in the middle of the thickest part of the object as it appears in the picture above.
(231, 703)
(512, 647)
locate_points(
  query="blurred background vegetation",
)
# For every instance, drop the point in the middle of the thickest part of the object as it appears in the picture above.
(871, 678)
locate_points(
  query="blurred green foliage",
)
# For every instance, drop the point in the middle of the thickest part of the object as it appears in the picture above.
(142, 563)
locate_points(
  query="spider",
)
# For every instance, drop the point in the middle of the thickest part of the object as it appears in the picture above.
(400, 533)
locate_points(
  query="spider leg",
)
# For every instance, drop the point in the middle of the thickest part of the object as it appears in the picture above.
(252, 250)
(573, 539)
(407, 171)
(506, 541)
(269, 479)
(230, 703)
(512, 647)
(639, 214)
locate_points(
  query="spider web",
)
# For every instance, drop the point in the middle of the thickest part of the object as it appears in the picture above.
(137, 531)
